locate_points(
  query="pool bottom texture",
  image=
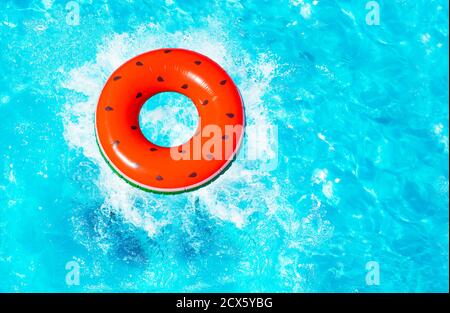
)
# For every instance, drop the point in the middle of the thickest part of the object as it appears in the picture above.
(349, 192)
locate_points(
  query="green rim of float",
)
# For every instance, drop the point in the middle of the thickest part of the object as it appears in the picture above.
(129, 182)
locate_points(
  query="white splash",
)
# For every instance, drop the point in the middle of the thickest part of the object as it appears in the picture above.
(425, 38)
(324, 139)
(171, 123)
(320, 177)
(438, 131)
(47, 3)
(305, 7)
(11, 176)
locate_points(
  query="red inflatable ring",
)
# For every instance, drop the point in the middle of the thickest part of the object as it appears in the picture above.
(169, 169)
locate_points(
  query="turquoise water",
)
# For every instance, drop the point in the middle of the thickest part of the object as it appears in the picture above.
(361, 150)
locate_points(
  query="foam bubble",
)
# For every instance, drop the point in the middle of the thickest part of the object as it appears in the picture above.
(438, 131)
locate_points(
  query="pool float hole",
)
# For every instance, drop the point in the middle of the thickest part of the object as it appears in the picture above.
(168, 119)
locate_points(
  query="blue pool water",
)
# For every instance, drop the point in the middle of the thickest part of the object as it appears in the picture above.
(361, 150)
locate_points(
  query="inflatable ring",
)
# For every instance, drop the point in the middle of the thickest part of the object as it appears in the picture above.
(170, 169)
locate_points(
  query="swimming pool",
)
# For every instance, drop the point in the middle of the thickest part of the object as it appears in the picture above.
(353, 194)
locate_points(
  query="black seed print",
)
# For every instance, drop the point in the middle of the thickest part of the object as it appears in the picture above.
(230, 115)
(153, 149)
(108, 108)
(134, 127)
(139, 63)
(205, 102)
(167, 51)
(139, 94)
(225, 137)
(209, 156)
(159, 177)
(160, 79)
(198, 62)
(115, 142)
(180, 150)
(223, 82)
(193, 174)
(117, 78)
(185, 86)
